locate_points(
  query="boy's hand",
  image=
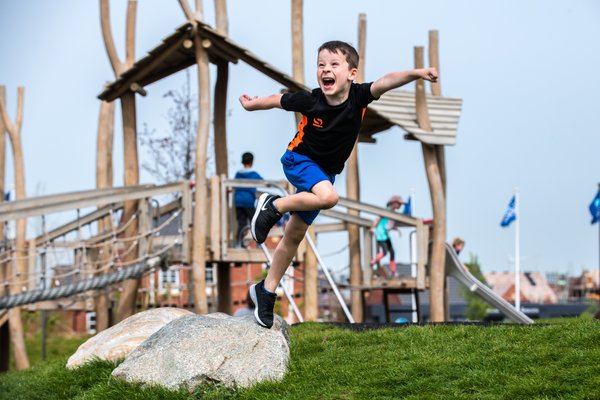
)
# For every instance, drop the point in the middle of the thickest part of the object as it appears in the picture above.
(246, 101)
(429, 74)
(252, 103)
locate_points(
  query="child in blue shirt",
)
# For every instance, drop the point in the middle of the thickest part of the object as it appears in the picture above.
(245, 198)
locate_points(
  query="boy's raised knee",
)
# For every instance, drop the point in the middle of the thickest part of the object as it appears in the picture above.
(330, 200)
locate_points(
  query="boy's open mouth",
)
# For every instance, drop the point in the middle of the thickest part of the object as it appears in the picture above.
(328, 83)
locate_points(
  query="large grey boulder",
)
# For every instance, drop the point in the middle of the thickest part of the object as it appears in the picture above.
(119, 340)
(214, 348)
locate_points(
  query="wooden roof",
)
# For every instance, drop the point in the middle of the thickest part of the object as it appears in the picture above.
(444, 112)
(176, 52)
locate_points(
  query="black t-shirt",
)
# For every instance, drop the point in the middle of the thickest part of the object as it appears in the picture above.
(327, 133)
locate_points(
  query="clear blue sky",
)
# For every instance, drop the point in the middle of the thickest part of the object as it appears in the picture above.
(527, 72)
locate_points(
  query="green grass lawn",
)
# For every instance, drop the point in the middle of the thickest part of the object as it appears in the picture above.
(56, 348)
(554, 360)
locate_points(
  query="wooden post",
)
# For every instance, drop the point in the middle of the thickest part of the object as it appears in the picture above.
(367, 256)
(14, 133)
(311, 286)
(298, 45)
(353, 191)
(128, 297)
(221, 17)
(438, 255)
(220, 117)
(200, 226)
(215, 217)
(200, 221)
(311, 290)
(2, 186)
(436, 90)
(220, 107)
(4, 347)
(104, 179)
(440, 151)
(434, 61)
(224, 287)
(4, 331)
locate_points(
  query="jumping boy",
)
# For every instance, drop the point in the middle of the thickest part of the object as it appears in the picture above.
(331, 119)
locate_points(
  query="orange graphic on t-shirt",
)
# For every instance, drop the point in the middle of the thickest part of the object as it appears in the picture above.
(318, 123)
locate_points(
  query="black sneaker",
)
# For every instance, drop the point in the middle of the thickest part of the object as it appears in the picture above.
(263, 304)
(264, 217)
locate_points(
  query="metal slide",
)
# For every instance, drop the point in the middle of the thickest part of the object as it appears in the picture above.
(455, 269)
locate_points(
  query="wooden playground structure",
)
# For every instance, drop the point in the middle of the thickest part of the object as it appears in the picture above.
(124, 231)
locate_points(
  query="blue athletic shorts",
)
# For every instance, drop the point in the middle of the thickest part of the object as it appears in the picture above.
(304, 173)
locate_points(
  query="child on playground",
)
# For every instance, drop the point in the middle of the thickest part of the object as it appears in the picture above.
(245, 198)
(382, 226)
(331, 118)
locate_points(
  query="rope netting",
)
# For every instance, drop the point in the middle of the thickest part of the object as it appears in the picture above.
(60, 268)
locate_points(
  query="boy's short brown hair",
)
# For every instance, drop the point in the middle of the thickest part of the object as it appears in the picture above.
(346, 49)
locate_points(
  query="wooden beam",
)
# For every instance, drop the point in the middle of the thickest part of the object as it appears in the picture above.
(352, 219)
(135, 78)
(332, 227)
(74, 225)
(401, 219)
(92, 198)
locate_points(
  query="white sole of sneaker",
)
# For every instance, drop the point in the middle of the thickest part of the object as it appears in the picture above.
(259, 206)
(255, 301)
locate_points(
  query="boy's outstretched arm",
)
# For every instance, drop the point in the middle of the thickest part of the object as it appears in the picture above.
(252, 103)
(394, 80)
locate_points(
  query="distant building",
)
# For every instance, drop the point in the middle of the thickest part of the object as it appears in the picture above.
(559, 282)
(534, 287)
(585, 286)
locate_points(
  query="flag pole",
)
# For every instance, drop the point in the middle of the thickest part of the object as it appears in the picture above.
(517, 255)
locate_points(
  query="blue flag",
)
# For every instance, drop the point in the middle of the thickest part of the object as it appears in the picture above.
(408, 207)
(594, 207)
(510, 214)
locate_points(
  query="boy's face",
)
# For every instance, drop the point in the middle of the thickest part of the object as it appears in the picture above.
(334, 75)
